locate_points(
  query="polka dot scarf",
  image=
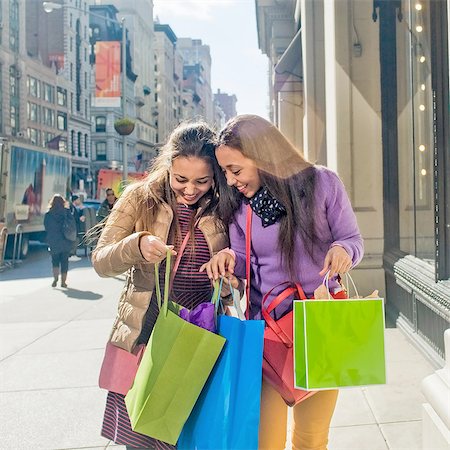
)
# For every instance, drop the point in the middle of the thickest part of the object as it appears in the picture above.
(267, 207)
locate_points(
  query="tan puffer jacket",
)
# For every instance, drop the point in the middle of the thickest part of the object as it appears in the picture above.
(118, 251)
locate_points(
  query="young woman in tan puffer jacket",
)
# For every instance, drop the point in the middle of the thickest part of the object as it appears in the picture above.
(180, 194)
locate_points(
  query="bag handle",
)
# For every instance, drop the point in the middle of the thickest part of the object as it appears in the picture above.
(165, 302)
(287, 341)
(169, 277)
(347, 277)
(248, 242)
(236, 303)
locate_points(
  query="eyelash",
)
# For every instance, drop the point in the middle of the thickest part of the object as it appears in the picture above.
(198, 182)
(237, 172)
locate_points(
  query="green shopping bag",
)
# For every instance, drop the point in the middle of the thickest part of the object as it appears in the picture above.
(176, 364)
(338, 343)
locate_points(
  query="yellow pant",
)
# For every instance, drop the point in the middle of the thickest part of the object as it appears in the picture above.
(312, 419)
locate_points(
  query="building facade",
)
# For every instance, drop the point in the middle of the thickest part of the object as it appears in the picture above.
(377, 113)
(227, 103)
(168, 81)
(138, 15)
(197, 78)
(108, 145)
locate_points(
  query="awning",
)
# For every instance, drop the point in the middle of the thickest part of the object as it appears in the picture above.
(290, 63)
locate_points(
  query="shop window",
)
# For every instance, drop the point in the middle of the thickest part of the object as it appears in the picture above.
(415, 131)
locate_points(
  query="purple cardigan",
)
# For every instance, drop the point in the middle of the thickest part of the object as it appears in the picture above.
(335, 224)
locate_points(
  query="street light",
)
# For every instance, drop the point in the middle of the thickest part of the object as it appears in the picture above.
(49, 7)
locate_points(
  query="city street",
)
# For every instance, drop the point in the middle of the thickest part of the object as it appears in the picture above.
(51, 346)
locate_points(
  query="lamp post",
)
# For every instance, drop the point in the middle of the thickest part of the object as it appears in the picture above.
(49, 7)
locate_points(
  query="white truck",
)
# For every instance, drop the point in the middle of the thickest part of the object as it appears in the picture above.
(29, 177)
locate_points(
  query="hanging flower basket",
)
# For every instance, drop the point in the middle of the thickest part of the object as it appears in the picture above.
(124, 126)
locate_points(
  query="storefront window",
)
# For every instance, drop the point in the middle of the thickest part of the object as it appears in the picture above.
(415, 130)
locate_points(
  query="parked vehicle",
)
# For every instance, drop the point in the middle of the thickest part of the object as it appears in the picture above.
(29, 176)
(91, 203)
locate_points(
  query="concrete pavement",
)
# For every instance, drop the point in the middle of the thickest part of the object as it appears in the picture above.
(51, 346)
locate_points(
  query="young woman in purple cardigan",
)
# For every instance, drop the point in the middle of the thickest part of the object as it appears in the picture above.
(303, 226)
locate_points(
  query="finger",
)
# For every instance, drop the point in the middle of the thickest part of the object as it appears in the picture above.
(231, 264)
(326, 265)
(221, 266)
(203, 267)
(215, 268)
(209, 271)
(171, 249)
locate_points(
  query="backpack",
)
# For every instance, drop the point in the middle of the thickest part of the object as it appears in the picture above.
(69, 227)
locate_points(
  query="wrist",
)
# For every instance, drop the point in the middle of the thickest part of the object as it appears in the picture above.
(228, 251)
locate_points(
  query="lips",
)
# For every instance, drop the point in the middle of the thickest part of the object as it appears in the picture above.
(241, 189)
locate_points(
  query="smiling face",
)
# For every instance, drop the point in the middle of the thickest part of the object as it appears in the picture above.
(240, 171)
(190, 179)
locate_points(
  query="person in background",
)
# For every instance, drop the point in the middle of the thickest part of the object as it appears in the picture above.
(303, 226)
(77, 214)
(107, 205)
(180, 195)
(59, 246)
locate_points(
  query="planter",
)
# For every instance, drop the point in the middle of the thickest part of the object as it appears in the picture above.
(124, 126)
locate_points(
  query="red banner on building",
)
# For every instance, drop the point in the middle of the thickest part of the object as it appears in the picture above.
(107, 73)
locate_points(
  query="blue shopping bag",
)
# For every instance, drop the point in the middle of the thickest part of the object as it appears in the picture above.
(226, 415)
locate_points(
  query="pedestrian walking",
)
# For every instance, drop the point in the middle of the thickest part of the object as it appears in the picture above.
(78, 215)
(107, 205)
(302, 227)
(177, 199)
(59, 246)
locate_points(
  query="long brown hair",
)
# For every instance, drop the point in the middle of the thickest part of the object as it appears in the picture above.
(288, 176)
(57, 203)
(189, 139)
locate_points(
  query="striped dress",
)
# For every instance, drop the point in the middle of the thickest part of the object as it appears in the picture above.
(190, 288)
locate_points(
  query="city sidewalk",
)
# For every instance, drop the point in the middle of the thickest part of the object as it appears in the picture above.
(51, 346)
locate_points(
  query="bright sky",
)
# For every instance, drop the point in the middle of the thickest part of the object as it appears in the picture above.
(229, 28)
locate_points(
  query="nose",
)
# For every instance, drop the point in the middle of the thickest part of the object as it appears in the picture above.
(231, 180)
(189, 189)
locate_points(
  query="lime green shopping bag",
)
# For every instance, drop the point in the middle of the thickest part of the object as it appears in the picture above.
(176, 364)
(338, 343)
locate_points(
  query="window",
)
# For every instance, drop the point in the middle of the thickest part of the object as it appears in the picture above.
(49, 93)
(79, 143)
(34, 136)
(72, 142)
(34, 87)
(48, 117)
(14, 100)
(415, 133)
(62, 96)
(100, 151)
(33, 112)
(86, 146)
(14, 25)
(62, 121)
(46, 138)
(100, 124)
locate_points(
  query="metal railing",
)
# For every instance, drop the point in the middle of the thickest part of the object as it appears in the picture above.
(17, 249)
(3, 238)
